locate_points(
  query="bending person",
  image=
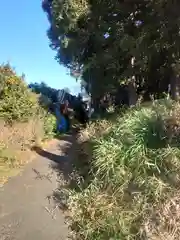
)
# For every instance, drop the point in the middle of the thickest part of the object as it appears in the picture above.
(65, 112)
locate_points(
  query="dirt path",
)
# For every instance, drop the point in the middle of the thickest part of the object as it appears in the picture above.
(27, 210)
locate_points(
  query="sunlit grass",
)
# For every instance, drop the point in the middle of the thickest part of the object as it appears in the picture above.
(136, 171)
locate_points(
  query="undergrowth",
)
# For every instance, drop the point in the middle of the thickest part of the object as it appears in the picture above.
(133, 192)
(23, 121)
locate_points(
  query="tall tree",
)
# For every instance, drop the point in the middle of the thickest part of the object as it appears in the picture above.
(98, 39)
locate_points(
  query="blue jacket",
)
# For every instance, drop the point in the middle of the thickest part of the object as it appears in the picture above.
(61, 121)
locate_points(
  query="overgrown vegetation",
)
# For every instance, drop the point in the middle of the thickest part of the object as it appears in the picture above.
(17, 103)
(135, 177)
(121, 48)
(125, 51)
(23, 121)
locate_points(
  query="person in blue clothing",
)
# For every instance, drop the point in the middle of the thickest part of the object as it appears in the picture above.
(65, 115)
(61, 121)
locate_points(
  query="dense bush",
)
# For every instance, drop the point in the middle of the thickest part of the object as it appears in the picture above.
(136, 169)
(17, 102)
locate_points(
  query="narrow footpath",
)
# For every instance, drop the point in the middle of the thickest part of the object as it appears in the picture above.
(27, 209)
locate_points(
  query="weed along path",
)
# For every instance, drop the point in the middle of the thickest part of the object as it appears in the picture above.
(28, 210)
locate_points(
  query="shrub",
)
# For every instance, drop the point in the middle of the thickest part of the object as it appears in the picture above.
(136, 172)
(23, 121)
(49, 125)
(17, 102)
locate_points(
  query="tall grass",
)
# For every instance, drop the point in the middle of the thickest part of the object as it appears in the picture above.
(136, 169)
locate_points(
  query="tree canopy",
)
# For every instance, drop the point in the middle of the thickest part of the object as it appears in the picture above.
(99, 39)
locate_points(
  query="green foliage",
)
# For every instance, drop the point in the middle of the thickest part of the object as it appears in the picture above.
(49, 125)
(17, 102)
(98, 39)
(136, 168)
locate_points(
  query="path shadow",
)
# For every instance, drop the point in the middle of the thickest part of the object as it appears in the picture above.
(51, 156)
(76, 175)
(71, 165)
(57, 158)
(58, 162)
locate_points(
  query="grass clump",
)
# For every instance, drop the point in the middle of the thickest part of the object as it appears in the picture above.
(136, 173)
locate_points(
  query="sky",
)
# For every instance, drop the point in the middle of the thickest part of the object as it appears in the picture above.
(25, 45)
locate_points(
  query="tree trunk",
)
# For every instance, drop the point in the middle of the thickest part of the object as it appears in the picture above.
(132, 87)
(175, 87)
(132, 92)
